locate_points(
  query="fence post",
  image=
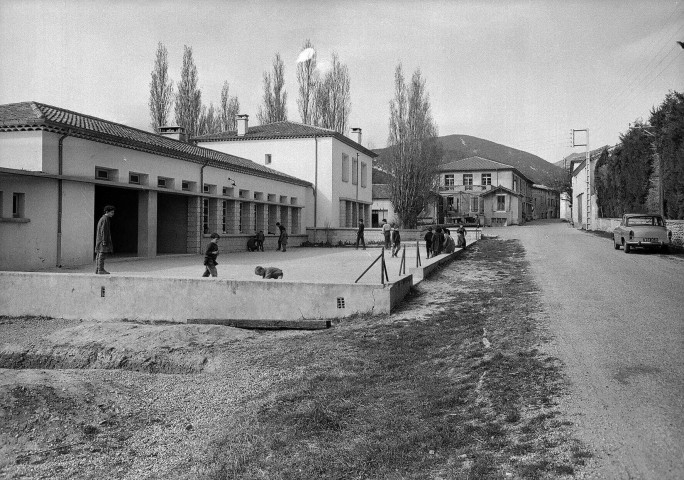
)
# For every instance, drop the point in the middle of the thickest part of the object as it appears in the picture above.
(418, 262)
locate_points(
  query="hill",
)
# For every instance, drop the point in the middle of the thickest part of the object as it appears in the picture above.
(457, 147)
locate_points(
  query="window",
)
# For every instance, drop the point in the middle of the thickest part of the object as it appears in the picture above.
(18, 205)
(486, 179)
(474, 204)
(515, 184)
(450, 203)
(364, 175)
(224, 215)
(449, 180)
(163, 182)
(355, 171)
(501, 203)
(228, 191)
(467, 179)
(240, 217)
(205, 215)
(267, 159)
(134, 178)
(105, 174)
(185, 185)
(345, 167)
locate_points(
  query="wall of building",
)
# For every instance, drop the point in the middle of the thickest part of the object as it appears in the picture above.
(22, 150)
(359, 196)
(30, 242)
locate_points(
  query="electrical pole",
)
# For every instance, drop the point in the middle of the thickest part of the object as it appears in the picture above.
(587, 166)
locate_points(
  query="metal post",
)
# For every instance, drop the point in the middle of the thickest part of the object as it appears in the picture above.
(382, 266)
(418, 263)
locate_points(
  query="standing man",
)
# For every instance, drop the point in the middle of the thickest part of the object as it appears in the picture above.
(428, 242)
(210, 255)
(386, 232)
(103, 239)
(282, 239)
(359, 235)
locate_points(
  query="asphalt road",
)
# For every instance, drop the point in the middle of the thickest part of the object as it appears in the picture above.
(618, 324)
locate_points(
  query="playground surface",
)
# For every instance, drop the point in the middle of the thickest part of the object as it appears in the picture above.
(300, 264)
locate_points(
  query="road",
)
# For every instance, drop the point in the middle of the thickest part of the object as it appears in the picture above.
(618, 324)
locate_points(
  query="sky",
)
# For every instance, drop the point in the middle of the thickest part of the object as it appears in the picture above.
(519, 73)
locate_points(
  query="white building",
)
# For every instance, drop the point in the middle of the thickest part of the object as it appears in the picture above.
(59, 168)
(338, 167)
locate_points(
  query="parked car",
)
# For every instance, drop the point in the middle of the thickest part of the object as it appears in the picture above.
(640, 230)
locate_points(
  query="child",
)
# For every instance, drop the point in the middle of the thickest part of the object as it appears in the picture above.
(461, 232)
(269, 272)
(252, 244)
(260, 241)
(396, 241)
(210, 256)
(428, 242)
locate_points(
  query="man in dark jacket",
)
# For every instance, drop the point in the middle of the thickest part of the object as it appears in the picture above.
(103, 239)
(437, 242)
(359, 235)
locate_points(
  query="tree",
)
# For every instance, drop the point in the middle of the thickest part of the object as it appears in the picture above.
(332, 101)
(189, 96)
(275, 97)
(414, 152)
(209, 121)
(668, 127)
(161, 90)
(230, 108)
(307, 77)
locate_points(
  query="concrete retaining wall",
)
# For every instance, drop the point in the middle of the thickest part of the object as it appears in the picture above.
(675, 226)
(432, 264)
(98, 297)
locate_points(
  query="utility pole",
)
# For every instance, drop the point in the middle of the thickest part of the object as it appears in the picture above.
(578, 143)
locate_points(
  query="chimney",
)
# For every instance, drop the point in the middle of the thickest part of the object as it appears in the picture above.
(356, 135)
(242, 125)
(173, 131)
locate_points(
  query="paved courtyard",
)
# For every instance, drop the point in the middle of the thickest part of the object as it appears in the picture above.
(317, 265)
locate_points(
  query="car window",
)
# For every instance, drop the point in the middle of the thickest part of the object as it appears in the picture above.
(644, 221)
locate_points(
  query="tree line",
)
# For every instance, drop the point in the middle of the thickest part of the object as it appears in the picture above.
(324, 100)
(647, 162)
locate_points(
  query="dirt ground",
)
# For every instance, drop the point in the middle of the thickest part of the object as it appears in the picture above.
(88, 400)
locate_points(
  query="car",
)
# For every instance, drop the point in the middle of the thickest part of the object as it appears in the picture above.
(642, 230)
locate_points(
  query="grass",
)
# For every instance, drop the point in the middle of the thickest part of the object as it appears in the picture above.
(416, 398)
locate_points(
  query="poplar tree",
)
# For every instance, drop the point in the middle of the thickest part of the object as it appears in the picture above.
(332, 102)
(274, 108)
(161, 90)
(189, 96)
(307, 77)
(230, 108)
(414, 152)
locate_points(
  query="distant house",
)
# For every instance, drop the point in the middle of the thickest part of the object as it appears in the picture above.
(339, 167)
(585, 209)
(495, 193)
(59, 168)
(565, 207)
(382, 208)
(545, 202)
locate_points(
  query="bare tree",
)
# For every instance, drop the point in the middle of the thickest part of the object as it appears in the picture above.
(333, 99)
(230, 107)
(189, 96)
(209, 121)
(307, 77)
(275, 97)
(414, 152)
(161, 89)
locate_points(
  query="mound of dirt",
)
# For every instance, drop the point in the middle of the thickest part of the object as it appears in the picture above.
(167, 348)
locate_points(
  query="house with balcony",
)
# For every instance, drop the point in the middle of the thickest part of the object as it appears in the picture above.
(338, 167)
(492, 193)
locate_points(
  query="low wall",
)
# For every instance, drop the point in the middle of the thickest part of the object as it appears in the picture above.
(99, 297)
(238, 242)
(432, 264)
(675, 226)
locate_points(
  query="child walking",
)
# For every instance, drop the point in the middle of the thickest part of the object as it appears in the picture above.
(210, 256)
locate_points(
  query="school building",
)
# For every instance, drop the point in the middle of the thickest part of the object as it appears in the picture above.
(338, 167)
(59, 168)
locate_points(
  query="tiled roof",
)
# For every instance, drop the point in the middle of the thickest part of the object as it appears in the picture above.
(285, 129)
(34, 115)
(473, 164)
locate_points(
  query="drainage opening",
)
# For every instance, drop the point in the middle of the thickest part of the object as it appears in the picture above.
(340, 302)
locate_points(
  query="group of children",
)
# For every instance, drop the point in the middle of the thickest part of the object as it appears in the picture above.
(441, 241)
(212, 252)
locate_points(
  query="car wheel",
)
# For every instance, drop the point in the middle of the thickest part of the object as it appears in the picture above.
(616, 245)
(627, 248)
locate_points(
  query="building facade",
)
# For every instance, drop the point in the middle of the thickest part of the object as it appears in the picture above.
(59, 168)
(338, 167)
(494, 193)
(545, 202)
